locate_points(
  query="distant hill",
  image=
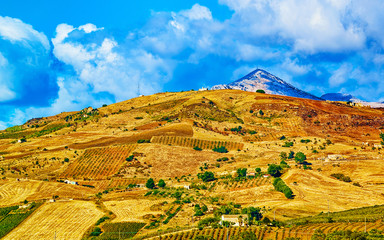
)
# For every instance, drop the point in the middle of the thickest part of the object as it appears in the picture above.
(342, 97)
(261, 79)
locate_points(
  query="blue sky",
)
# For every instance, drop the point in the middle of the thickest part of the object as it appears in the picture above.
(60, 56)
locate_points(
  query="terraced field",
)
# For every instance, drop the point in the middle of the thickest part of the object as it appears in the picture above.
(99, 163)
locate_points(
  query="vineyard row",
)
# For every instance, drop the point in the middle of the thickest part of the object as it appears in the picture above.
(194, 142)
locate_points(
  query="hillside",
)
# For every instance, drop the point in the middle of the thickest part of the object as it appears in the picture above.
(170, 136)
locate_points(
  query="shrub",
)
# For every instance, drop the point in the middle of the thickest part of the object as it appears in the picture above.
(130, 158)
(143, 141)
(221, 149)
(274, 170)
(161, 183)
(341, 177)
(300, 157)
(101, 220)
(288, 144)
(206, 176)
(197, 148)
(96, 232)
(224, 159)
(260, 91)
(280, 186)
(150, 183)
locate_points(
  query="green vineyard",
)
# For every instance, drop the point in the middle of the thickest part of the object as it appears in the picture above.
(303, 232)
(194, 142)
(99, 163)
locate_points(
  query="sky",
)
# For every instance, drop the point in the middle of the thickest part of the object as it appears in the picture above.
(58, 56)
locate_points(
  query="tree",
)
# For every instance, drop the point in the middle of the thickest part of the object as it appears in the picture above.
(206, 176)
(260, 91)
(283, 156)
(261, 113)
(274, 170)
(291, 155)
(258, 170)
(161, 183)
(300, 157)
(242, 172)
(150, 183)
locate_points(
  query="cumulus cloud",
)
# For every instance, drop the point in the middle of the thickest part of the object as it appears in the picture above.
(15, 30)
(329, 43)
(24, 61)
(107, 66)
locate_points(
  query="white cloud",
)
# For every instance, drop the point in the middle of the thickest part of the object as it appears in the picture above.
(341, 75)
(109, 67)
(313, 26)
(89, 27)
(294, 67)
(15, 30)
(197, 12)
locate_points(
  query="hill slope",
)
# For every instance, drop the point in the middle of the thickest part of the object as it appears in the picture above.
(171, 136)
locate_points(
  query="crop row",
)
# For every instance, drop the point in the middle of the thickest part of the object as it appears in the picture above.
(99, 163)
(125, 182)
(194, 142)
(303, 232)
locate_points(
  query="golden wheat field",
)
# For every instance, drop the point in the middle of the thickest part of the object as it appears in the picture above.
(65, 220)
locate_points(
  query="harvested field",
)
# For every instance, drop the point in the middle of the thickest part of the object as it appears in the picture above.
(133, 210)
(12, 192)
(178, 129)
(172, 161)
(60, 220)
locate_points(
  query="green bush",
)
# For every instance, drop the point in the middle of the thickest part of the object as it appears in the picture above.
(280, 186)
(206, 176)
(288, 144)
(341, 177)
(221, 149)
(197, 148)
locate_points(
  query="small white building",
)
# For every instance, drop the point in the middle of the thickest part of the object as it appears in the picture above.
(235, 219)
(203, 89)
(140, 185)
(187, 187)
(251, 174)
(71, 182)
(334, 157)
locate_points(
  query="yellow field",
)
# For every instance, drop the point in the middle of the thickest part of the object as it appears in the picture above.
(12, 191)
(60, 220)
(133, 210)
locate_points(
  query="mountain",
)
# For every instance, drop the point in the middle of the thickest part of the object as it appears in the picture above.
(261, 79)
(342, 97)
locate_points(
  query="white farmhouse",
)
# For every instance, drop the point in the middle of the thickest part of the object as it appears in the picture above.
(235, 219)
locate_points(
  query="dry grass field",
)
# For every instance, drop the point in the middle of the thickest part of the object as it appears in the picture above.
(60, 220)
(135, 210)
(13, 192)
